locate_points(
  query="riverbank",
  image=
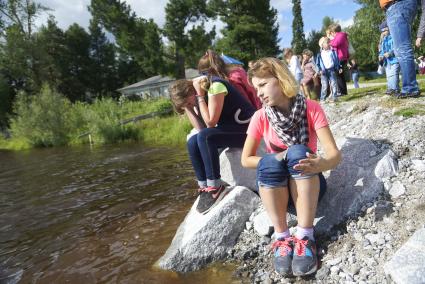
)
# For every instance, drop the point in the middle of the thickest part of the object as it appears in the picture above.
(49, 119)
(357, 250)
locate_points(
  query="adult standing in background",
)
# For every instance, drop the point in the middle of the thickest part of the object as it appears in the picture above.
(339, 42)
(400, 15)
(421, 29)
(354, 70)
(294, 64)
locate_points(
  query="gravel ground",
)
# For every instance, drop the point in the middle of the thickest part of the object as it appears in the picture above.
(357, 250)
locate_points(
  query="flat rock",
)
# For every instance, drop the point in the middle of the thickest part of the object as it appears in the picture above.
(355, 182)
(407, 264)
(202, 239)
(232, 171)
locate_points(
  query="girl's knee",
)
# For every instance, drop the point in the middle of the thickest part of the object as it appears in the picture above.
(192, 142)
(297, 152)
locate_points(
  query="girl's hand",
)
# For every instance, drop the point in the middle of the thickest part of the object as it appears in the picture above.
(311, 165)
(197, 84)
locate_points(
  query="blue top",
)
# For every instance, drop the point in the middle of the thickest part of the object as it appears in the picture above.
(236, 108)
(387, 45)
(321, 65)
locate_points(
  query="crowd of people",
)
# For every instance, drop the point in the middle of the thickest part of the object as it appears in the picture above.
(275, 102)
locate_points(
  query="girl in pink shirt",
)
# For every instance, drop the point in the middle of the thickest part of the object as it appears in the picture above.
(290, 124)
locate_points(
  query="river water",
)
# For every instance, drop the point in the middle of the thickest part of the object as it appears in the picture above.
(95, 215)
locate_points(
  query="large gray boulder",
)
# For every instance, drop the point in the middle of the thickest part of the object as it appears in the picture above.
(407, 266)
(355, 182)
(232, 171)
(202, 239)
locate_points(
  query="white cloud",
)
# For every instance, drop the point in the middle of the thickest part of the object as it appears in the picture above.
(345, 23)
(66, 12)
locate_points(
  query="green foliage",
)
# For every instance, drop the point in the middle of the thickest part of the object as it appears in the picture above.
(136, 38)
(169, 131)
(178, 14)
(199, 42)
(102, 70)
(251, 30)
(364, 33)
(410, 112)
(298, 42)
(313, 41)
(41, 120)
(102, 120)
(6, 98)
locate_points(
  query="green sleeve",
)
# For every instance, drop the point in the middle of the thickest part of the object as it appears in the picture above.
(217, 88)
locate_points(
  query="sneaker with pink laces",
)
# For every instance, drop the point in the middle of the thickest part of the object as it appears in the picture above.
(304, 261)
(210, 197)
(283, 250)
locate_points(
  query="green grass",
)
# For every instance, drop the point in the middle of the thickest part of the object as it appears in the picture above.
(410, 112)
(168, 131)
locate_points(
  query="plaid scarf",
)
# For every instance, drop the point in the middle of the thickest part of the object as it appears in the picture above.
(292, 129)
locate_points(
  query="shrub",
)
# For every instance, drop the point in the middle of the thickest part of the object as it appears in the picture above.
(41, 120)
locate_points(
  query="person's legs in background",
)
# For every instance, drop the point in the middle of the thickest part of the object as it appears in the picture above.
(355, 77)
(400, 16)
(342, 84)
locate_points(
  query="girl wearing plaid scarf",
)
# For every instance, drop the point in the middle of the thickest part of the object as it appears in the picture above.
(290, 125)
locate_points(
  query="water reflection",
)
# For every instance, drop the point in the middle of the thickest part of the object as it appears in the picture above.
(101, 215)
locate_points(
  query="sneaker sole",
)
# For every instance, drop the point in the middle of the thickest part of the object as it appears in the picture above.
(311, 271)
(220, 197)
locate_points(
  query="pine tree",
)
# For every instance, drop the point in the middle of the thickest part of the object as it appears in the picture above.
(179, 13)
(251, 29)
(298, 37)
(103, 72)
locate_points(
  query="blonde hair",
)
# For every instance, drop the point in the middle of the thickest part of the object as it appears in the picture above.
(269, 66)
(322, 40)
(179, 92)
(335, 27)
(212, 64)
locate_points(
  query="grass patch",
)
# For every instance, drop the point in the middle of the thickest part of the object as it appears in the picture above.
(14, 144)
(410, 112)
(355, 94)
(168, 131)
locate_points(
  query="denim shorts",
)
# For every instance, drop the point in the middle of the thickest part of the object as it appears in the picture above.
(274, 170)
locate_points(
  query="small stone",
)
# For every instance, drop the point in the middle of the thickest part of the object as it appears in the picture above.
(355, 269)
(335, 269)
(397, 189)
(334, 261)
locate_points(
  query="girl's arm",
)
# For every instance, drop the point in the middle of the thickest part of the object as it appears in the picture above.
(194, 119)
(249, 158)
(210, 112)
(317, 164)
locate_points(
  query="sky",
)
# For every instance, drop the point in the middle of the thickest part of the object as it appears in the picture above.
(68, 12)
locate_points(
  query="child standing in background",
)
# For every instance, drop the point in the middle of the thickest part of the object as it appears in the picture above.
(309, 73)
(390, 62)
(328, 65)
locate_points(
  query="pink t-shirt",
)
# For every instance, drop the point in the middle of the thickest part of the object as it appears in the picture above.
(259, 127)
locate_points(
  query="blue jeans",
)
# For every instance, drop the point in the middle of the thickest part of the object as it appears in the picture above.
(329, 76)
(203, 151)
(392, 71)
(400, 16)
(355, 77)
(274, 172)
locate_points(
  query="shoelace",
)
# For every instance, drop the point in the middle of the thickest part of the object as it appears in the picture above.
(207, 189)
(285, 244)
(300, 246)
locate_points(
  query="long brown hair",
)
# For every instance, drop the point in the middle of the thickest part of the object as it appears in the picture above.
(179, 92)
(211, 64)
